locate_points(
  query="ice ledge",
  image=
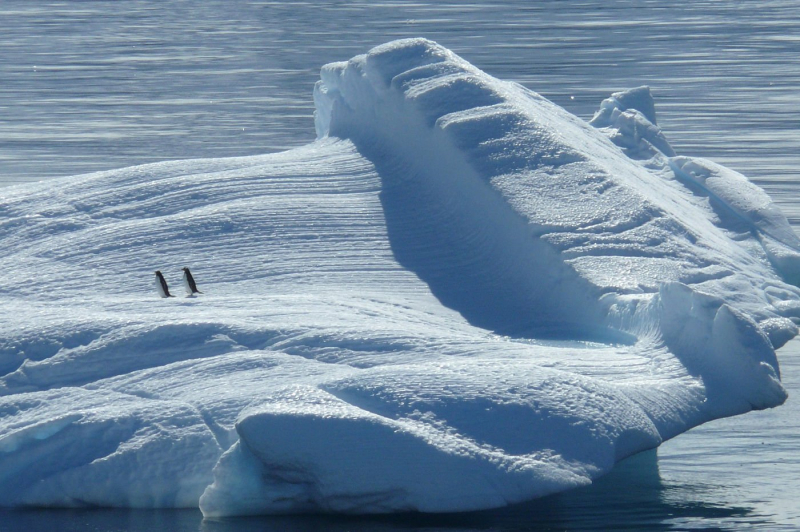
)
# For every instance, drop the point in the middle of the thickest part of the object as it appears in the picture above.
(320, 363)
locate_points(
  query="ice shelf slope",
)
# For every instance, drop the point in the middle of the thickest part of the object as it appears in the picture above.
(459, 297)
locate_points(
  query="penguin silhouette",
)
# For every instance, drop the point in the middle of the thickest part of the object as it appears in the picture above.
(188, 283)
(161, 285)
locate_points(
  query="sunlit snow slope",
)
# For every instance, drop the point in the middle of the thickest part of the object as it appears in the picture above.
(459, 297)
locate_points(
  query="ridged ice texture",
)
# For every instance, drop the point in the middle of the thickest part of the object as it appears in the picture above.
(460, 297)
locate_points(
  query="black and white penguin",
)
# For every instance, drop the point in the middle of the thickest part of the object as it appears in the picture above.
(161, 285)
(188, 283)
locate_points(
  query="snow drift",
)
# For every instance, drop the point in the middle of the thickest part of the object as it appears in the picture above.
(459, 297)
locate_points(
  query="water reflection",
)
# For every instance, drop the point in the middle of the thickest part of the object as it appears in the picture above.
(632, 497)
(99, 520)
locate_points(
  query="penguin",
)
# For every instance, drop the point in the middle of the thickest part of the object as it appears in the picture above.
(161, 285)
(188, 283)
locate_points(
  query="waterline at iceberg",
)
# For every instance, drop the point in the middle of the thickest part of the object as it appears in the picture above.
(459, 297)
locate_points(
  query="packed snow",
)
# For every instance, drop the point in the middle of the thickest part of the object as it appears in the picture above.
(459, 297)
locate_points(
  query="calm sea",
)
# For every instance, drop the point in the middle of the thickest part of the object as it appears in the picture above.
(94, 85)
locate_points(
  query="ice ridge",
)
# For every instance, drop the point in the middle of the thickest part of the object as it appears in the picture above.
(459, 297)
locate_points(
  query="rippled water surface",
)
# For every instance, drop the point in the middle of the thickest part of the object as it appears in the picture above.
(94, 85)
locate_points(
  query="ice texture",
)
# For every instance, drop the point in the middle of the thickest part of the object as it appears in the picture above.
(459, 297)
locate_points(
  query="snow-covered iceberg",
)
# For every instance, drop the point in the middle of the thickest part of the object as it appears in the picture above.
(459, 297)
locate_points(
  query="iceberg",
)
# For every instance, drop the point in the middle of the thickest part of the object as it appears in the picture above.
(459, 297)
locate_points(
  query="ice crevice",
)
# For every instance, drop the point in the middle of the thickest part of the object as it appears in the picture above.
(458, 297)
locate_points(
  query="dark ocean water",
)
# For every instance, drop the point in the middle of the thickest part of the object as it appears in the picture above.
(95, 85)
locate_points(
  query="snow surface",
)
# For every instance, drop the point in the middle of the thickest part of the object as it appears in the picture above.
(459, 297)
